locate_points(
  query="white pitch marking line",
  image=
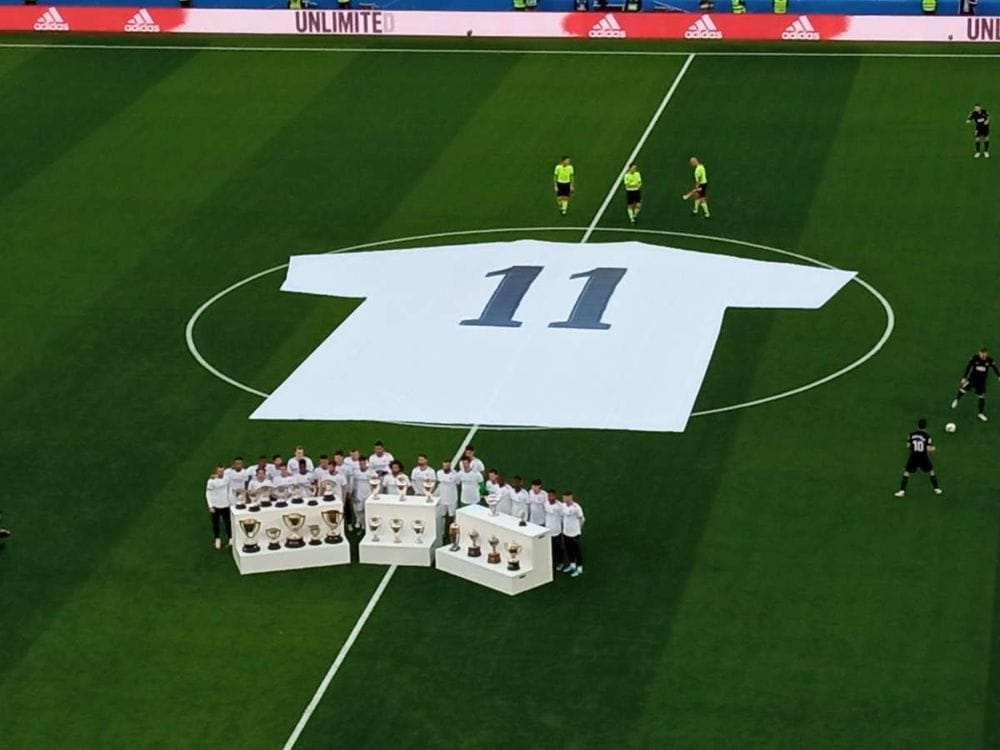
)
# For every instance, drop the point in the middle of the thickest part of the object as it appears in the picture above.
(359, 625)
(638, 146)
(474, 51)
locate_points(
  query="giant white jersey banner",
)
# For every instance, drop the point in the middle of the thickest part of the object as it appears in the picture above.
(528, 333)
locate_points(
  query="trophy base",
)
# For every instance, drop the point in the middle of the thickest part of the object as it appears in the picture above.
(328, 498)
(313, 502)
(515, 565)
(281, 504)
(240, 506)
(252, 508)
(295, 543)
(296, 501)
(274, 545)
(314, 542)
(493, 558)
(266, 504)
(248, 548)
(330, 539)
(522, 523)
(475, 551)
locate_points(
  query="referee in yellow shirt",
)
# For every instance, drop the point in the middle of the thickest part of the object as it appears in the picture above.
(700, 189)
(633, 191)
(564, 184)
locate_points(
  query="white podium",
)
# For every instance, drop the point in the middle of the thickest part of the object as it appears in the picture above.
(407, 550)
(288, 558)
(535, 556)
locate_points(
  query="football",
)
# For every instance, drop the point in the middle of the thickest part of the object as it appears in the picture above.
(950, 427)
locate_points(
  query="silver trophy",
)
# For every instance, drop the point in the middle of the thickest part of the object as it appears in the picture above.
(298, 490)
(418, 529)
(241, 499)
(513, 548)
(253, 495)
(402, 485)
(396, 524)
(274, 534)
(314, 531)
(373, 523)
(281, 493)
(326, 489)
(493, 500)
(428, 489)
(374, 484)
(455, 532)
(523, 515)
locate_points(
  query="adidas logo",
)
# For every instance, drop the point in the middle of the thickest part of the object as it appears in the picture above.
(142, 21)
(800, 28)
(607, 26)
(50, 20)
(703, 28)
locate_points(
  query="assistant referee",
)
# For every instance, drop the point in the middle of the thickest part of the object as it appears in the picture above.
(633, 191)
(564, 182)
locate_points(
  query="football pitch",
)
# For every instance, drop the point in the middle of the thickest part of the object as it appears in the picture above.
(750, 582)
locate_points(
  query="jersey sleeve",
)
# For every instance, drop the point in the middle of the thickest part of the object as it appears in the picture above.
(764, 284)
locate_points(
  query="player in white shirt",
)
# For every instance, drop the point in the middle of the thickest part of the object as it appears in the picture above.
(299, 453)
(276, 463)
(573, 520)
(518, 499)
(322, 478)
(283, 479)
(391, 481)
(447, 490)
(554, 512)
(474, 463)
(259, 487)
(506, 493)
(468, 481)
(237, 476)
(536, 503)
(492, 484)
(262, 463)
(380, 459)
(217, 496)
(419, 473)
(303, 486)
(361, 490)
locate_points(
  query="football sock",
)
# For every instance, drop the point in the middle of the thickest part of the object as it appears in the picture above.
(982, 405)
(631, 213)
(959, 395)
(934, 481)
(904, 482)
(695, 210)
(977, 146)
(705, 206)
(986, 146)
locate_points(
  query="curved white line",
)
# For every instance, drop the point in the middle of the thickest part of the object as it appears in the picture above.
(886, 306)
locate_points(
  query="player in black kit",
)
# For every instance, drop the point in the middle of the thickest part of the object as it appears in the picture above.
(975, 378)
(921, 446)
(981, 118)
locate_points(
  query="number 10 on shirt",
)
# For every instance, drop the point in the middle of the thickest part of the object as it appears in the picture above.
(515, 282)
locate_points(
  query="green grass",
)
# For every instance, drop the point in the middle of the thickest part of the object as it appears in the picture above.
(751, 582)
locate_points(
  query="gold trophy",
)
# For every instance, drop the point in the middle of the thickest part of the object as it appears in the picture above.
(373, 523)
(241, 499)
(250, 528)
(294, 522)
(493, 501)
(513, 548)
(493, 558)
(418, 529)
(474, 549)
(428, 489)
(332, 519)
(396, 524)
(314, 531)
(402, 485)
(454, 531)
(281, 493)
(274, 534)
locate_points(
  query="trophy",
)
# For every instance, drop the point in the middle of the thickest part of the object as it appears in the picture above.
(250, 528)
(513, 548)
(454, 531)
(493, 501)
(281, 492)
(523, 515)
(396, 524)
(428, 489)
(241, 499)
(326, 490)
(418, 529)
(294, 522)
(332, 519)
(402, 484)
(373, 523)
(374, 483)
(265, 495)
(254, 504)
(274, 534)
(314, 531)
(493, 558)
(297, 492)
(312, 488)
(474, 550)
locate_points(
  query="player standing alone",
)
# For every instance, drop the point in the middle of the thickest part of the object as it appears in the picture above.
(975, 378)
(920, 445)
(633, 191)
(981, 118)
(564, 183)
(700, 189)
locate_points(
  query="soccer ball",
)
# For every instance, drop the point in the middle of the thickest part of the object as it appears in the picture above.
(950, 427)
